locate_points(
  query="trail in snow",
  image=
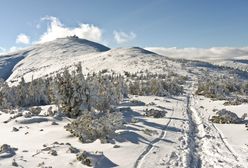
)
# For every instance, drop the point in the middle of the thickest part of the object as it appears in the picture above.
(194, 160)
(151, 145)
(207, 146)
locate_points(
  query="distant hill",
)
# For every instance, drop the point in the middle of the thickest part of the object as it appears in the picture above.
(224, 56)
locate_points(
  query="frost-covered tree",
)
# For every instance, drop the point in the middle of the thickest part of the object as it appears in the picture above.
(25, 94)
(222, 86)
(155, 84)
(91, 126)
(75, 93)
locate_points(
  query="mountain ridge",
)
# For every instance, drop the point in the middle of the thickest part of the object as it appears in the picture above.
(43, 59)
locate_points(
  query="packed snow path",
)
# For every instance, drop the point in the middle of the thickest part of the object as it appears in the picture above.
(207, 148)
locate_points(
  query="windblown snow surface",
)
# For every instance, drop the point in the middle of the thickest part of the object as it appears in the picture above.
(183, 138)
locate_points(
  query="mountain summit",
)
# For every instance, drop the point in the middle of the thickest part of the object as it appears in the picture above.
(46, 55)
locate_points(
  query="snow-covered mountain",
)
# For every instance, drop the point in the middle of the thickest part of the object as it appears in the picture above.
(45, 55)
(42, 59)
(48, 58)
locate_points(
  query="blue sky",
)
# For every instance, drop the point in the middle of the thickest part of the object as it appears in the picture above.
(145, 23)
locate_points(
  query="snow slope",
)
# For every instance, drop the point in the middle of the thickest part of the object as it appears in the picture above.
(7, 63)
(124, 59)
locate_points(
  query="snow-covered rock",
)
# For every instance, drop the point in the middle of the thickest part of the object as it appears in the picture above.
(228, 116)
(7, 151)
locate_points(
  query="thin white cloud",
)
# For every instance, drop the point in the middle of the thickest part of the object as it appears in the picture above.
(14, 48)
(56, 30)
(2, 49)
(122, 37)
(207, 54)
(23, 39)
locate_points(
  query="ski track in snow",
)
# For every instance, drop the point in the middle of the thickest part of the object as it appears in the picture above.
(226, 143)
(151, 145)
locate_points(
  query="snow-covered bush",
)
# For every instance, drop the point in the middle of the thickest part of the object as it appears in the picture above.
(35, 110)
(84, 159)
(156, 84)
(137, 103)
(94, 159)
(236, 101)
(155, 113)
(91, 126)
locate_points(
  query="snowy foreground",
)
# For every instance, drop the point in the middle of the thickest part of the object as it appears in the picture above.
(183, 138)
